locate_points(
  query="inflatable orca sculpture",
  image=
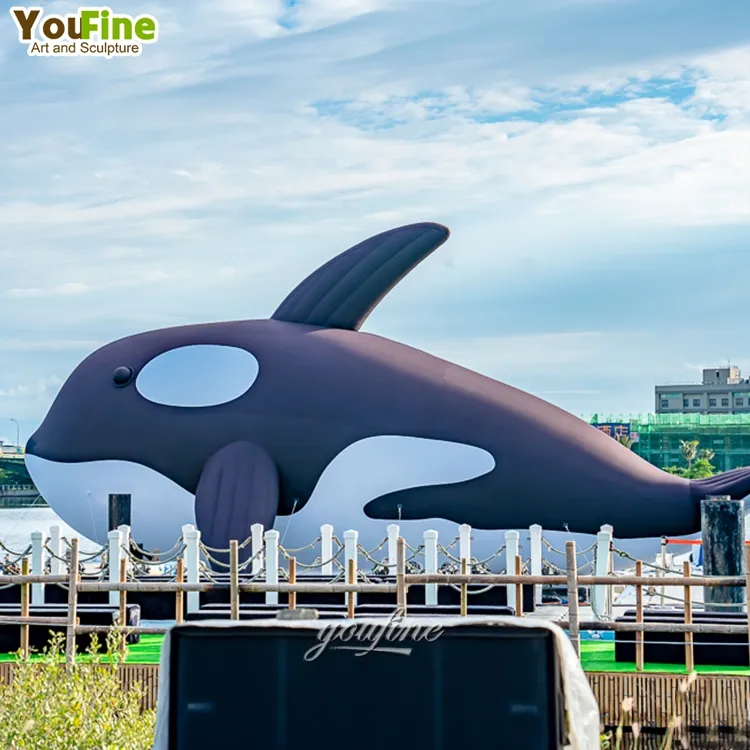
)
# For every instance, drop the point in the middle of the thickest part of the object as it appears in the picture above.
(302, 420)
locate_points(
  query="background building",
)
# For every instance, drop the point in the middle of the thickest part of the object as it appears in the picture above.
(723, 391)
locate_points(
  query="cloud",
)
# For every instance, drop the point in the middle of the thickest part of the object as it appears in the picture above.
(40, 388)
(557, 139)
(39, 345)
(70, 288)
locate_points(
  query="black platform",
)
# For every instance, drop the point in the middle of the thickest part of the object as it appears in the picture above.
(335, 611)
(715, 649)
(39, 635)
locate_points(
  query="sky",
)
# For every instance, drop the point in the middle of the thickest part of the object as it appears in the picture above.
(591, 158)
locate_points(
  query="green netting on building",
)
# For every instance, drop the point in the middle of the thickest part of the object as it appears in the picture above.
(658, 436)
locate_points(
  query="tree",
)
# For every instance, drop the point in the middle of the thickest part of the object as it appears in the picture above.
(689, 450)
(698, 462)
(626, 440)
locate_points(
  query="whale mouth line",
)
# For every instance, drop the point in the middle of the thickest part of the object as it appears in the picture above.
(78, 491)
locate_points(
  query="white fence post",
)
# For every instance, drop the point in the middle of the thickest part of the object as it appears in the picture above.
(272, 564)
(511, 552)
(535, 542)
(124, 530)
(392, 548)
(326, 550)
(192, 556)
(114, 553)
(431, 565)
(350, 553)
(55, 564)
(37, 566)
(610, 567)
(256, 546)
(464, 545)
(599, 593)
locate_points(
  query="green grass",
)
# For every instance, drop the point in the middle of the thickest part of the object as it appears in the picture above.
(599, 656)
(145, 652)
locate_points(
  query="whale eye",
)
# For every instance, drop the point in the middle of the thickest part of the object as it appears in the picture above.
(122, 376)
(198, 375)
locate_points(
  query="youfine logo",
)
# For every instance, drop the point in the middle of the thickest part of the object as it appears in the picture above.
(95, 31)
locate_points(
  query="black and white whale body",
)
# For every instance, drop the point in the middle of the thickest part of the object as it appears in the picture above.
(301, 420)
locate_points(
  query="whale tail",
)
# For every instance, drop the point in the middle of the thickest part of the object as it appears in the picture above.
(735, 483)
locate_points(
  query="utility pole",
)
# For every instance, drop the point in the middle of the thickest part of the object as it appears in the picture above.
(18, 432)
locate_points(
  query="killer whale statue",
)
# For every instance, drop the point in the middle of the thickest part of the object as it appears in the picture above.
(302, 419)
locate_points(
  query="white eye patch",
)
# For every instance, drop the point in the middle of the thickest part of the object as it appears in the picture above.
(199, 375)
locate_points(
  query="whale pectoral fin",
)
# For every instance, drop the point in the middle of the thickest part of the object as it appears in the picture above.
(344, 291)
(238, 487)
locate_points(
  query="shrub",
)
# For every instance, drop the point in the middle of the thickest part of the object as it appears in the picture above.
(48, 706)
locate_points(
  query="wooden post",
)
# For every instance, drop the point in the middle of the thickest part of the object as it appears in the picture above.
(723, 536)
(234, 580)
(293, 579)
(400, 575)
(572, 572)
(464, 588)
(179, 595)
(639, 618)
(350, 578)
(519, 588)
(25, 608)
(689, 656)
(70, 630)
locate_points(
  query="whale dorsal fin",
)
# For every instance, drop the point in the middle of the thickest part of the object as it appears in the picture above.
(346, 289)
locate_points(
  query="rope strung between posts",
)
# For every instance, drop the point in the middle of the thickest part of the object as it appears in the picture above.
(457, 560)
(416, 552)
(653, 566)
(240, 567)
(177, 547)
(17, 555)
(651, 591)
(375, 562)
(452, 544)
(560, 552)
(379, 547)
(285, 550)
(226, 551)
(469, 591)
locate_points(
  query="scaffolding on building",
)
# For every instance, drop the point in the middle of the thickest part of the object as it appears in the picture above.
(657, 437)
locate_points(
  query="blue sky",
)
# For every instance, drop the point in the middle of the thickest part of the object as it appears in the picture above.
(592, 158)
